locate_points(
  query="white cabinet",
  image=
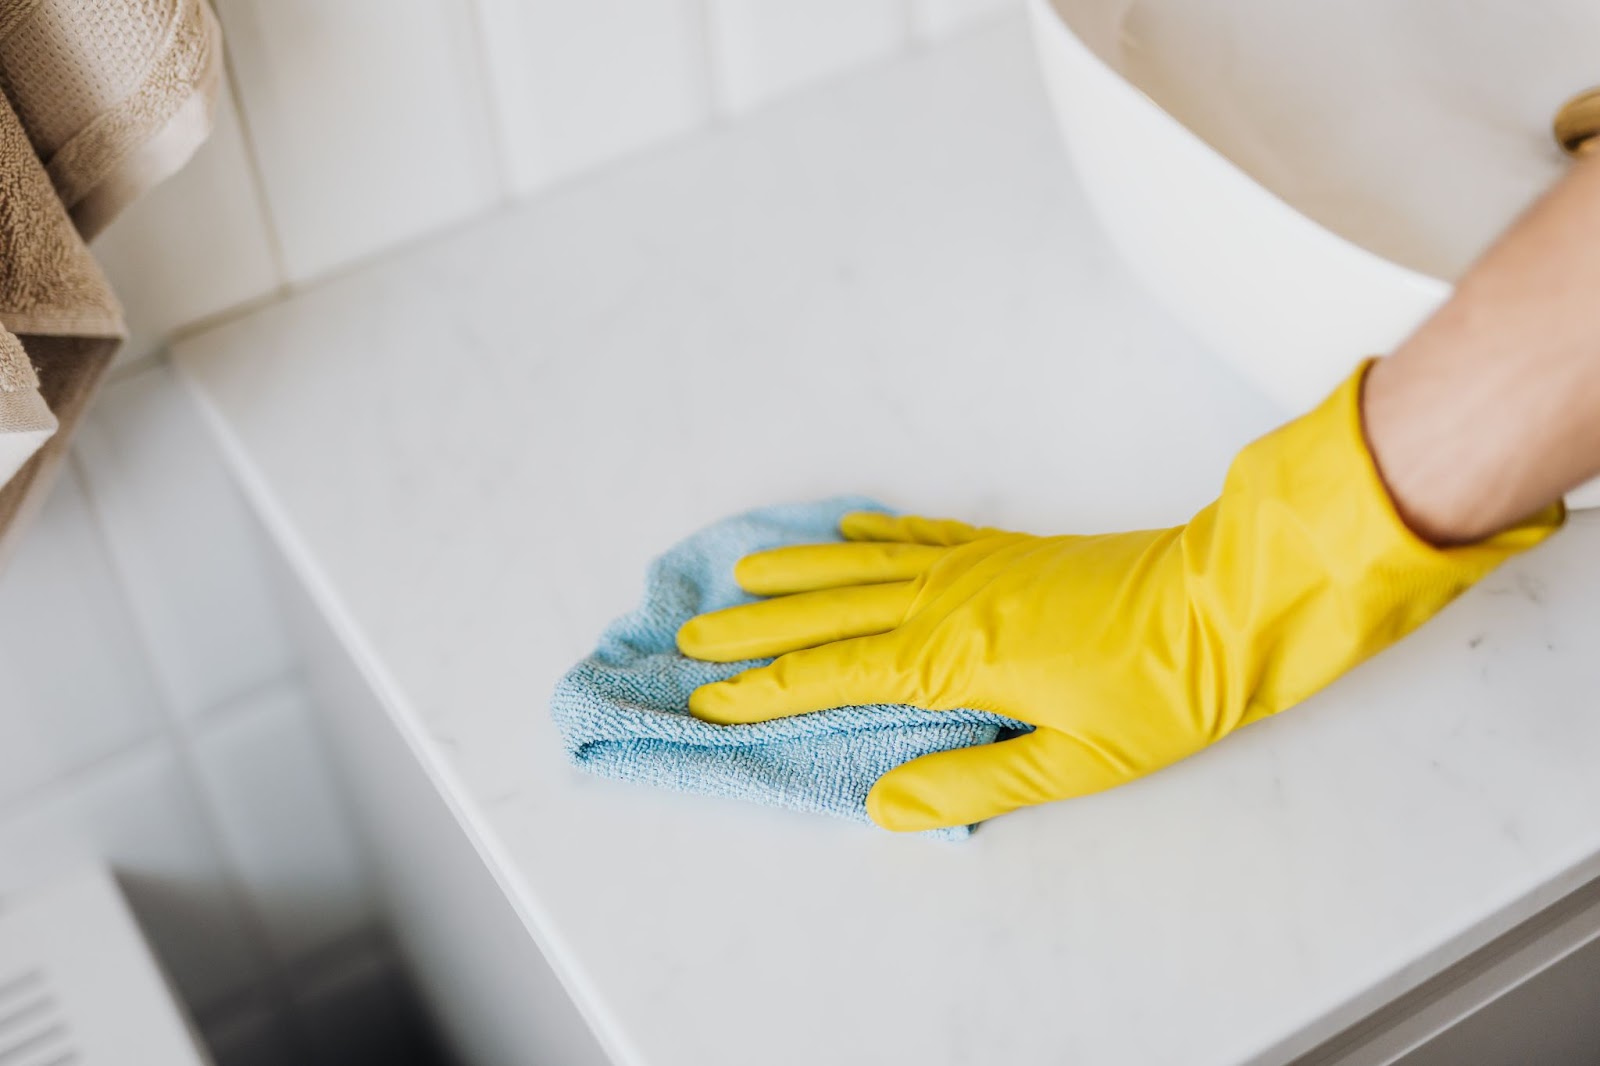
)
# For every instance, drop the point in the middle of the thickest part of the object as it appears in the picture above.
(1531, 996)
(491, 997)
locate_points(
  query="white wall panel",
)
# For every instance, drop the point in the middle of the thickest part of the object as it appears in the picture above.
(578, 84)
(935, 18)
(765, 48)
(195, 245)
(76, 684)
(186, 545)
(368, 117)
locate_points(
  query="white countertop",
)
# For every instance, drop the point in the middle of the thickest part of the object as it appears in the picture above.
(472, 449)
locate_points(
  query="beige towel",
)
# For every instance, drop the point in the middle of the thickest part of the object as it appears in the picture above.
(101, 100)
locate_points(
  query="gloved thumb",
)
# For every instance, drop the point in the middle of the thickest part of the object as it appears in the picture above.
(967, 785)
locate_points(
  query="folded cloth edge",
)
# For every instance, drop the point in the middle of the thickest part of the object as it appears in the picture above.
(648, 727)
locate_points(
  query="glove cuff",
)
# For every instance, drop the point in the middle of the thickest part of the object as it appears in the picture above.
(1338, 479)
(1347, 576)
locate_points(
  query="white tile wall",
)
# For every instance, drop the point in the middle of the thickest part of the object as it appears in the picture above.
(931, 19)
(184, 543)
(362, 124)
(77, 686)
(263, 771)
(196, 245)
(578, 84)
(765, 48)
(369, 119)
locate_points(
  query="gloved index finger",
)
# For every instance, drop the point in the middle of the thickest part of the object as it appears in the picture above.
(909, 529)
(966, 785)
(810, 567)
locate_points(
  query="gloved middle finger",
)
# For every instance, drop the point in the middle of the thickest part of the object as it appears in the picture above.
(808, 567)
(789, 623)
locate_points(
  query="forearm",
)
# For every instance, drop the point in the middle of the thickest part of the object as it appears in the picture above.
(1491, 409)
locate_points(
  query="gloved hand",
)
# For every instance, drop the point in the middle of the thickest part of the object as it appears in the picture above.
(1127, 651)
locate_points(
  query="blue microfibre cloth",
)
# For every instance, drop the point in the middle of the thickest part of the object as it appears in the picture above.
(624, 711)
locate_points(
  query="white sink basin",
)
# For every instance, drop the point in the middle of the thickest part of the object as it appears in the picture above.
(1301, 183)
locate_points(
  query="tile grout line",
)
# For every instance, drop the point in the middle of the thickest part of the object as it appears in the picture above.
(67, 781)
(223, 710)
(499, 151)
(712, 91)
(213, 717)
(720, 116)
(344, 794)
(252, 156)
(272, 980)
(370, 942)
(344, 804)
(912, 27)
(370, 939)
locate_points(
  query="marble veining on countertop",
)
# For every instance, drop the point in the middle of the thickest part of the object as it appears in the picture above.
(892, 286)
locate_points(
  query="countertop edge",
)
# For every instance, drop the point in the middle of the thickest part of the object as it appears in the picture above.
(407, 722)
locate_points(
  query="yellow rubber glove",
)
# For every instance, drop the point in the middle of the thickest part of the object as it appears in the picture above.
(1127, 652)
